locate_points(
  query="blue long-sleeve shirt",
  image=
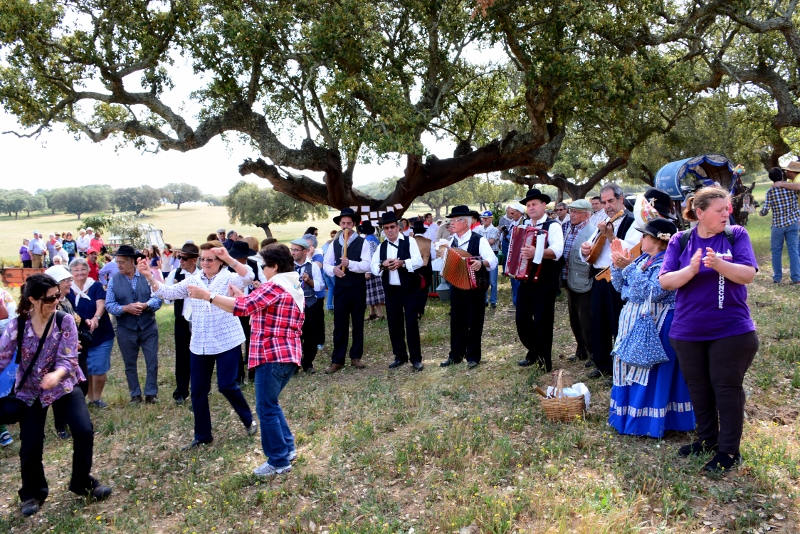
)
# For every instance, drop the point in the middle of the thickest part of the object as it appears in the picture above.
(116, 309)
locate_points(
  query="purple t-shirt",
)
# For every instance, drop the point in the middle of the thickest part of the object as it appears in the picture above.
(24, 254)
(710, 306)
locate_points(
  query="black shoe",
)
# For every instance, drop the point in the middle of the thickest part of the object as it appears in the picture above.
(310, 371)
(30, 507)
(525, 363)
(493, 306)
(179, 401)
(472, 365)
(136, 399)
(63, 434)
(594, 373)
(589, 363)
(195, 444)
(100, 493)
(448, 362)
(721, 463)
(418, 366)
(150, 399)
(397, 363)
(697, 448)
(572, 358)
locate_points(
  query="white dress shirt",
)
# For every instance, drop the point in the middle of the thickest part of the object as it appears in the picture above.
(214, 330)
(632, 237)
(82, 243)
(555, 235)
(316, 274)
(430, 233)
(412, 264)
(362, 266)
(485, 250)
(170, 281)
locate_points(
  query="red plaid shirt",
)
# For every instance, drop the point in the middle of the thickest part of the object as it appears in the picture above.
(275, 324)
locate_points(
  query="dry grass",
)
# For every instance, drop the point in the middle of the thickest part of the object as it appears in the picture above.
(388, 451)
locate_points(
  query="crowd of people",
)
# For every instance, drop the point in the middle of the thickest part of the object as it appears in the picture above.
(660, 314)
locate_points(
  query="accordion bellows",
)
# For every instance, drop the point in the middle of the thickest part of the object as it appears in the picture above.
(456, 269)
(531, 268)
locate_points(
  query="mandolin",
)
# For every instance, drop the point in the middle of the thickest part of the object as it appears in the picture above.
(605, 274)
(599, 239)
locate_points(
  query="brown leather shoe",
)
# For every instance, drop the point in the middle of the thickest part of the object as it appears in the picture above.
(333, 368)
(358, 364)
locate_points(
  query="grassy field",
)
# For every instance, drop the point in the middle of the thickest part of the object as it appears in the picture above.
(439, 451)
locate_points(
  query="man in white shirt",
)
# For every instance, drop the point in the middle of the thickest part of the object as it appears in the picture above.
(187, 255)
(350, 292)
(514, 212)
(396, 261)
(606, 301)
(561, 213)
(314, 319)
(536, 297)
(467, 309)
(431, 226)
(492, 235)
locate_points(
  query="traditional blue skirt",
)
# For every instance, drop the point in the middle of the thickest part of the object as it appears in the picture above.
(663, 404)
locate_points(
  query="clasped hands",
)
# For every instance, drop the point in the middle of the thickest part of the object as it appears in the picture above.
(711, 260)
(393, 264)
(620, 256)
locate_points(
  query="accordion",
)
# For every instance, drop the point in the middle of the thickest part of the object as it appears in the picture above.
(525, 236)
(457, 272)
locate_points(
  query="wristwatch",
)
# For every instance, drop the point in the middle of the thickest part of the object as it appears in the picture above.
(211, 297)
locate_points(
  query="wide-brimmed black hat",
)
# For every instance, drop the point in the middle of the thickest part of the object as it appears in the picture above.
(240, 249)
(366, 228)
(535, 194)
(662, 229)
(388, 217)
(419, 227)
(127, 250)
(463, 211)
(347, 212)
(188, 249)
(660, 200)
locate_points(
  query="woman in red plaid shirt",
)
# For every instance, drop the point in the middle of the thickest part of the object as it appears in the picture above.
(276, 317)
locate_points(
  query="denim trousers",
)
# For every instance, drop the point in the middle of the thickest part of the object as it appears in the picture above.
(777, 237)
(202, 367)
(492, 299)
(330, 283)
(277, 440)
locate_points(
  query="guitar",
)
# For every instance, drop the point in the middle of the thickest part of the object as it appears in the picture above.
(599, 238)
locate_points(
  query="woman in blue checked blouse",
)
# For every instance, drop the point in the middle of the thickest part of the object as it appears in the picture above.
(217, 336)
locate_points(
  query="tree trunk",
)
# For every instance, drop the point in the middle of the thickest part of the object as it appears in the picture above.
(266, 229)
(113, 210)
(179, 205)
(79, 215)
(438, 211)
(575, 191)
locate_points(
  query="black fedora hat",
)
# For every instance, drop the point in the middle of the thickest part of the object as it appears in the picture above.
(463, 211)
(660, 200)
(662, 229)
(127, 250)
(419, 227)
(188, 249)
(388, 217)
(347, 212)
(240, 249)
(535, 194)
(366, 228)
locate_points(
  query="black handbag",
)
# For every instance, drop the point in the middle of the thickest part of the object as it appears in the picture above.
(11, 408)
(85, 335)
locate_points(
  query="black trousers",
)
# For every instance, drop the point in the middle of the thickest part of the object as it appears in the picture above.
(714, 372)
(72, 408)
(580, 320)
(422, 295)
(59, 421)
(402, 317)
(183, 359)
(313, 332)
(467, 312)
(244, 355)
(536, 303)
(606, 306)
(351, 302)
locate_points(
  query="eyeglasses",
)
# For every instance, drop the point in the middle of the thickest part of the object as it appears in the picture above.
(208, 260)
(297, 250)
(51, 299)
(561, 209)
(389, 226)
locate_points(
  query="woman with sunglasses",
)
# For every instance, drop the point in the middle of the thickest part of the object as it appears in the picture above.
(53, 380)
(217, 336)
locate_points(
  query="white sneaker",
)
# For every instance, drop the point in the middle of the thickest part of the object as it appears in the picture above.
(266, 470)
(292, 455)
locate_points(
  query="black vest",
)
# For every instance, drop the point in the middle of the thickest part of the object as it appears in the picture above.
(124, 295)
(350, 279)
(409, 281)
(178, 304)
(551, 269)
(627, 222)
(308, 289)
(473, 247)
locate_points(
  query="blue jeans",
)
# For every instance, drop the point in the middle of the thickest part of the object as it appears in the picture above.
(789, 234)
(330, 282)
(514, 288)
(493, 282)
(202, 367)
(277, 440)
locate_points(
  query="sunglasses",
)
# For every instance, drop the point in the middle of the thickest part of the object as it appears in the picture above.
(186, 258)
(52, 299)
(207, 260)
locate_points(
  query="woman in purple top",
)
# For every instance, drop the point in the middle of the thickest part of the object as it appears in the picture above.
(52, 381)
(24, 255)
(712, 333)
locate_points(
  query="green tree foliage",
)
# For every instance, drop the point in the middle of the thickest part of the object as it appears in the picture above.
(182, 193)
(35, 203)
(249, 204)
(48, 195)
(80, 200)
(13, 201)
(100, 222)
(462, 192)
(213, 200)
(136, 199)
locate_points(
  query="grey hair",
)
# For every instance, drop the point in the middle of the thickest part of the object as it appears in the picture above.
(312, 238)
(613, 187)
(561, 204)
(78, 261)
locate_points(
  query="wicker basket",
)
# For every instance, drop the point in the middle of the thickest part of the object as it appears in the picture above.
(562, 408)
